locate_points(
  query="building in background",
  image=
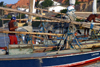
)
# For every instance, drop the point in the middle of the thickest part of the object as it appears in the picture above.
(56, 8)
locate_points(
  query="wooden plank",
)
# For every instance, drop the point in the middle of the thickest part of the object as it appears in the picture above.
(34, 20)
(52, 21)
(38, 47)
(88, 45)
(86, 12)
(70, 51)
(53, 34)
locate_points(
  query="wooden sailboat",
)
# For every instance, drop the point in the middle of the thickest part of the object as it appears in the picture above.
(56, 58)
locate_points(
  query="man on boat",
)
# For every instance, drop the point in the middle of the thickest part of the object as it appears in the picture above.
(71, 10)
(71, 13)
(12, 26)
(89, 19)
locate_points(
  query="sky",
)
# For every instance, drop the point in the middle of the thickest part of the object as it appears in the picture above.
(9, 1)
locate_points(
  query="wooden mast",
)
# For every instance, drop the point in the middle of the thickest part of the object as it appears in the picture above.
(94, 10)
(31, 9)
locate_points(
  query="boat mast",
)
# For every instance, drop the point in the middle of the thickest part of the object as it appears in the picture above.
(31, 9)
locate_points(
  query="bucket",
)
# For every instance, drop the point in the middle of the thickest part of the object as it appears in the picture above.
(2, 52)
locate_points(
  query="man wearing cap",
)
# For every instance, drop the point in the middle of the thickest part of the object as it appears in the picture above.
(12, 26)
(71, 10)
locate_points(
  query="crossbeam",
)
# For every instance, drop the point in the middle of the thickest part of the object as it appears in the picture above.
(18, 32)
(51, 21)
(52, 18)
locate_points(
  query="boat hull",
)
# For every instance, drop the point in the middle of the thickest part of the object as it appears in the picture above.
(71, 60)
(58, 60)
(20, 63)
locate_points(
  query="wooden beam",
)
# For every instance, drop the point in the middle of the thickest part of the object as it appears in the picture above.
(88, 45)
(34, 20)
(86, 12)
(53, 34)
(54, 21)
